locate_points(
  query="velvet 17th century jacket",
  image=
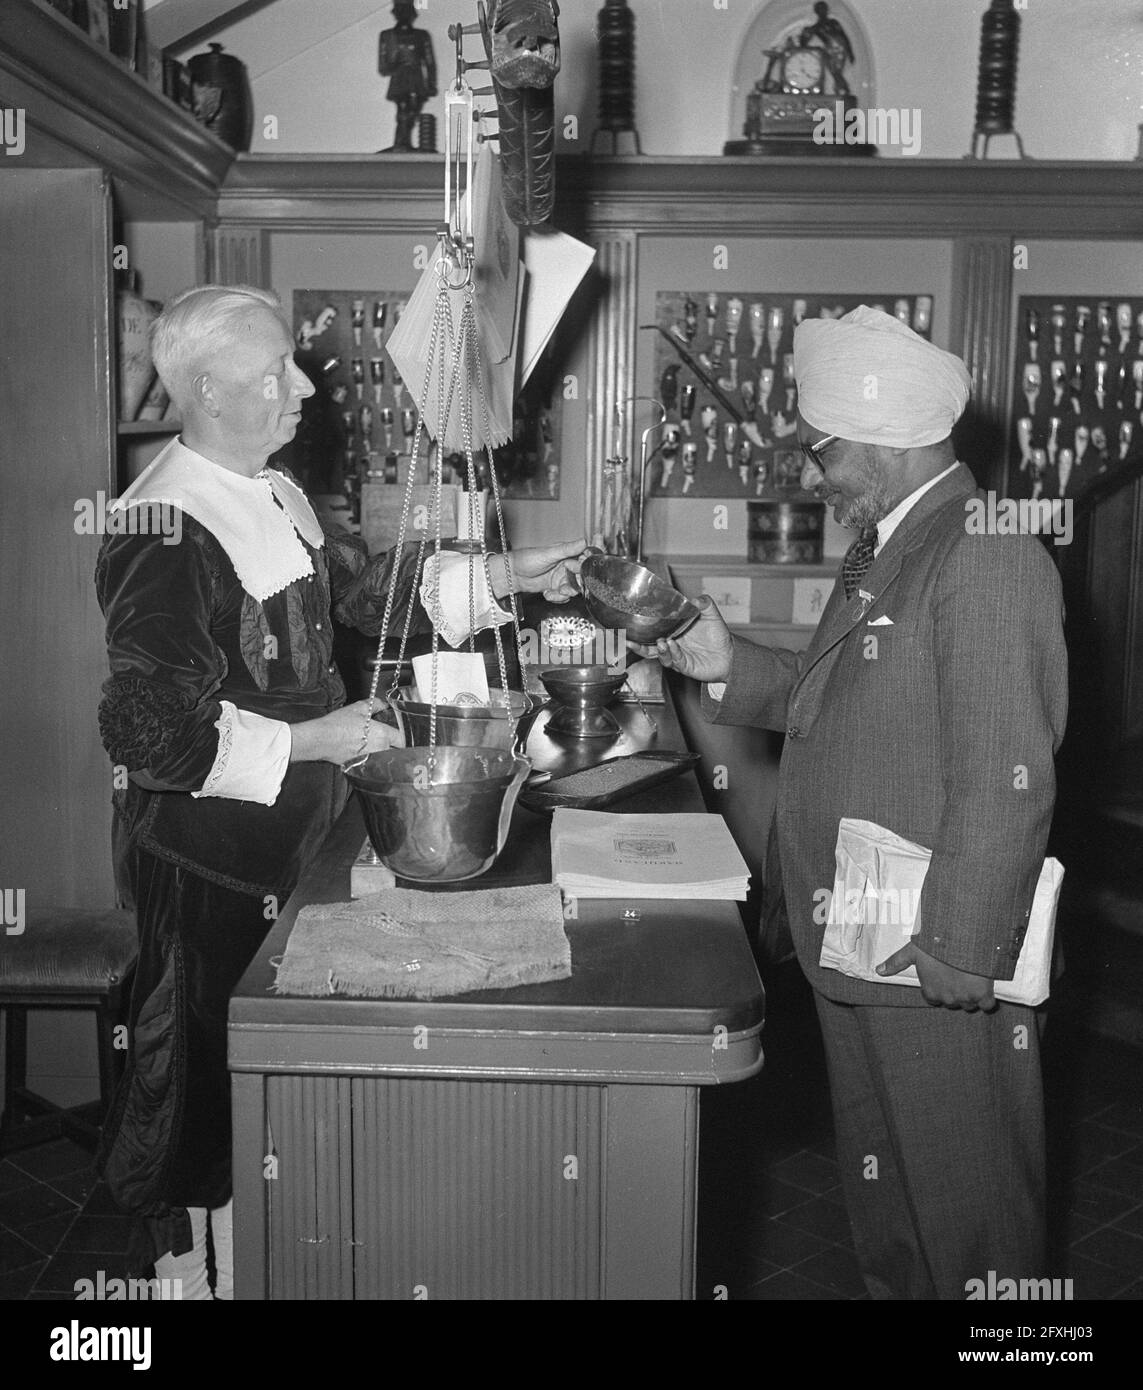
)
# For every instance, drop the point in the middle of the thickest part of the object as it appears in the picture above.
(182, 636)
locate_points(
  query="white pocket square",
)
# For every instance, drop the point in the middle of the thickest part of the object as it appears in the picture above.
(883, 621)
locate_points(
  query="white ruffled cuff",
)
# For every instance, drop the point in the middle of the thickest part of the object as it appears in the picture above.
(450, 612)
(253, 754)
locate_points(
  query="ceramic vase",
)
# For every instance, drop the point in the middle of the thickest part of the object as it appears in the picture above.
(223, 101)
(136, 370)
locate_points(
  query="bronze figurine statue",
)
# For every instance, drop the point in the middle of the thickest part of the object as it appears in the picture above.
(834, 40)
(405, 56)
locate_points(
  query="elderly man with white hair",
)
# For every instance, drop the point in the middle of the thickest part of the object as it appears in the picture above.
(227, 715)
(930, 701)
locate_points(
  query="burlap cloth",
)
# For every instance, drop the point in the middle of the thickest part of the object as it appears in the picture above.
(405, 944)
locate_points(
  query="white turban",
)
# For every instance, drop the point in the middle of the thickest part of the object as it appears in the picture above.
(868, 377)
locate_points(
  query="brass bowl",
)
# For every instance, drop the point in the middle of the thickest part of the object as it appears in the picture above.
(581, 695)
(438, 816)
(505, 723)
(619, 593)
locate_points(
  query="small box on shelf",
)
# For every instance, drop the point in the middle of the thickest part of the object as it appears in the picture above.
(123, 29)
(149, 64)
(177, 83)
(99, 22)
(779, 603)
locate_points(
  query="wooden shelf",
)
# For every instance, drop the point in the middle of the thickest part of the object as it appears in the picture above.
(757, 569)
(839, 196)
(145, 427)
(85, 107)
(652, 195)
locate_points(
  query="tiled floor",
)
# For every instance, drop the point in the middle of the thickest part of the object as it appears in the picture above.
(57, 1223)
(771, 1222)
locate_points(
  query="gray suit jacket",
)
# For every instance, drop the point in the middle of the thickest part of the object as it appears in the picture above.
(941, 726)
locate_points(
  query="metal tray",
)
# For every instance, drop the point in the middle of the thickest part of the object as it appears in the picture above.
(660, 767)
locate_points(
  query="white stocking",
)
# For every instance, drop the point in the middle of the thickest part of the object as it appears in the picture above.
(222, 1231)
(190, 1268)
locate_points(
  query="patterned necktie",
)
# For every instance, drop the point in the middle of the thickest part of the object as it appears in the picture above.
(857, 560)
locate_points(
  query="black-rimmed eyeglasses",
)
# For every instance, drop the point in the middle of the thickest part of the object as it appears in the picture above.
(815, 450)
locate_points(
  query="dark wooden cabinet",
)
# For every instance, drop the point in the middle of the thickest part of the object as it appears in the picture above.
(55, 447)
(539, 1142)
(107, 162)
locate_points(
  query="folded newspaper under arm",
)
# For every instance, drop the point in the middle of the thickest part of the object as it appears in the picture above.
(874, 909)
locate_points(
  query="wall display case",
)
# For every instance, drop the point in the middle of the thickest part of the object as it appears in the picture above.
(362, 418)
(724, 368)
(902, 274)
(1077, 391)
(528, 465)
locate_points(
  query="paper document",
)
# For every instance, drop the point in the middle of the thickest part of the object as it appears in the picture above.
(599, 854)
(873, 910)
(425, 372)
(460, 678)
(732, 595)
(516, 313)
(555, 264)
(810, 597)
(498, 272)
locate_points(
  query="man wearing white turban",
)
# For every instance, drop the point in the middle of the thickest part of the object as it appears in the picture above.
(869, 378)
(930, 700)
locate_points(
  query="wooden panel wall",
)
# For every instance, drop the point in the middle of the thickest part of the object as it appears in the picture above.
(1115, 608)
(55, 448)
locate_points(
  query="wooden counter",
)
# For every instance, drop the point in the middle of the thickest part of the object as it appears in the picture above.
(538, 1142)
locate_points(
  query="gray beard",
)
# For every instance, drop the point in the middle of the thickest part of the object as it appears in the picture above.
(867, 511)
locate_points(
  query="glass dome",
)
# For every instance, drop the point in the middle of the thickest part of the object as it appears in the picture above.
(771, 27)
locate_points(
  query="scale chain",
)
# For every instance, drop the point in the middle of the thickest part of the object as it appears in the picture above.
(460, 348)
(402, 530)
(468, 332)
(495, 486)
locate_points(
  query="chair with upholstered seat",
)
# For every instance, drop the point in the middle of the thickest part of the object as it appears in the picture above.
(65, 958)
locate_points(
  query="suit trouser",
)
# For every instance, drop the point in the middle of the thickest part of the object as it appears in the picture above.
(939, 1126)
